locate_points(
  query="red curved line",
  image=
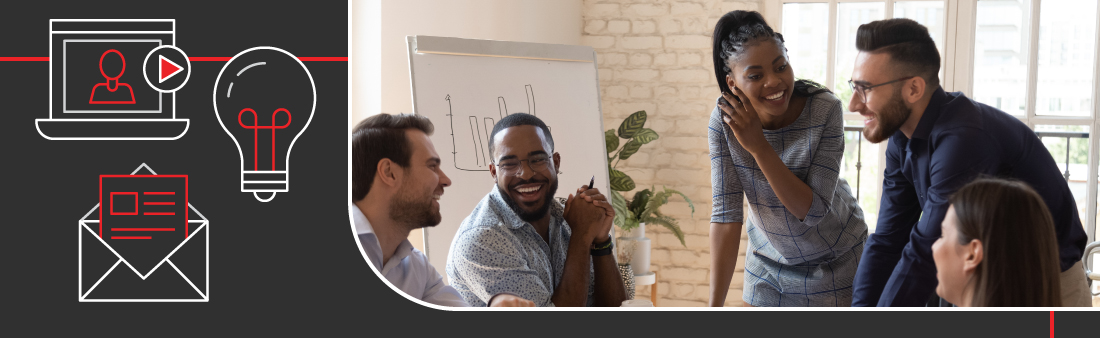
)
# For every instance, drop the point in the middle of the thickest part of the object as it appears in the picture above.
(255, 136)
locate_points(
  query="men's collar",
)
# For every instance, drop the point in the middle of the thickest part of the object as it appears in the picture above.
(931, 114)
(362, 225)
(509, 216)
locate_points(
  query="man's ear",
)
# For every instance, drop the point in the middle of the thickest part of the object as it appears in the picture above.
(493, 171)
(975, 253)
(557, 162)
(389, 173)
(914, 89)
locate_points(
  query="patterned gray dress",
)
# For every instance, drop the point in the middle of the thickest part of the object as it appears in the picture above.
(792, 262)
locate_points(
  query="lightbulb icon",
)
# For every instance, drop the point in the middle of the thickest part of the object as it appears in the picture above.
(264, 99)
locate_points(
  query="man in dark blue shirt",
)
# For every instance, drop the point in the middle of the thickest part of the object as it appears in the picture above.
(938, 143)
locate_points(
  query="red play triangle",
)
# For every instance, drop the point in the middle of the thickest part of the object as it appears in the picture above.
(168, 69)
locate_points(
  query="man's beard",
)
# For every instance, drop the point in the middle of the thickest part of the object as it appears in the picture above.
(890, 118)
(414, 213)
(548, 197)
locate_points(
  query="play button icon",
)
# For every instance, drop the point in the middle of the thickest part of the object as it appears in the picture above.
(166, 69)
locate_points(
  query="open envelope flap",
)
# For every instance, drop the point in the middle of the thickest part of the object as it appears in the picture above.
(183, 273)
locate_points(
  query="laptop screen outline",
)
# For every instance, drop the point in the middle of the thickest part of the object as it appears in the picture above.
(86, 31)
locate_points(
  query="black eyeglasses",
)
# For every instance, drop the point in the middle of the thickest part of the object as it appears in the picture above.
(861, 90)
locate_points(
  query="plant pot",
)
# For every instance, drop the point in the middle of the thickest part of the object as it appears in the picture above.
(628, 279)
(639, 258)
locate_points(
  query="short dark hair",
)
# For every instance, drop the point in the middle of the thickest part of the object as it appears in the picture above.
(519, 119)
(378, 137)
(908, 44)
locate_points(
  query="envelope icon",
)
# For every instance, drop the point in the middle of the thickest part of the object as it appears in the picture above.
(144, 242)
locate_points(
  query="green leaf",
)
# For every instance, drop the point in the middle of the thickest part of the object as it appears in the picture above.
(659, 199)
(645, 135)
(632, 124)
(620, 181)
(639, 201)
(670, 224)
(629, 148)
(621, 213)
(611, 140)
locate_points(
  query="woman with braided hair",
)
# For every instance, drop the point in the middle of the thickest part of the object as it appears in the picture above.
(778, 143)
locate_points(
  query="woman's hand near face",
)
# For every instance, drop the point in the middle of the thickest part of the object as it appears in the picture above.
(742, 119)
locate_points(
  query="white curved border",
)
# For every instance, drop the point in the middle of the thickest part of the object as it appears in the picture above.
(144, 71)
(312, 110)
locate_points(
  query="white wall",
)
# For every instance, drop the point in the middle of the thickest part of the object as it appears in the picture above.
(380, 62)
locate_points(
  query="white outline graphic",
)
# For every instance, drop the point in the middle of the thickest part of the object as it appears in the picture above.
(58, 121)
(186, 59)
(83, 226)
(240, 153)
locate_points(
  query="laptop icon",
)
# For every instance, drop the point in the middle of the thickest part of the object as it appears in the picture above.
(97, 87)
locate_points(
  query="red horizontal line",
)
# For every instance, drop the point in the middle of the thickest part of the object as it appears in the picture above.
(208, 58)
(193, 58)
(143, 229)
(323, 58)
(159, 213)
(158, 203)
(159, 193)
(131, 237)
(24, 58)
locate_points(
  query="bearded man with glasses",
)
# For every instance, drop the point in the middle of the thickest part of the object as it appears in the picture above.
(939, 142)
(520, 241)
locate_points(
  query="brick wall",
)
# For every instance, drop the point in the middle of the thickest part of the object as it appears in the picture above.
(654, 55)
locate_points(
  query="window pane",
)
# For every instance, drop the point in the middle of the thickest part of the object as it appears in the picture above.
(849, 16)
(1069, 145)
(806, 39)
(1000, 54)
(927, 13)
(1067, 38)
(860, 168)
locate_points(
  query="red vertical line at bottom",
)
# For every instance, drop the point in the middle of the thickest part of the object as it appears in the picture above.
(1052, 324)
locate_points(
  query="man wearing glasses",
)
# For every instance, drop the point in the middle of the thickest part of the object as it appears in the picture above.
(520, 241)
(938, 142)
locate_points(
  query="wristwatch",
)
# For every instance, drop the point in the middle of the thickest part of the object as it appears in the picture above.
(602, 249)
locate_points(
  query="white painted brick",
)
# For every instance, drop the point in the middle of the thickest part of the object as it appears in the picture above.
(688, 41)
(611, 59)
(665, 91)
(675, 143)
(659, 256)
(696, 25)
(688, 8)
(669, 26)
(733, 298)
(594, 26)
(639, 159)
(641, 92)
(637, 74)
(598, 41)
(739, 5)
(683, 290)
(640, 59)
(684, 274)
(602, 10)
(605, 74)
(644, 27)
(691, 59)
(684, 257)
(618, 26)
(664, 59)
(685, 76)
(619, 92)
(640, 42)
(684, 160)
(645, 10)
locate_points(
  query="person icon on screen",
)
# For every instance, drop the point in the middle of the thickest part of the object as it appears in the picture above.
(107, 92)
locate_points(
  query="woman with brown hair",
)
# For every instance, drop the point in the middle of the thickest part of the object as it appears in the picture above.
(997, 247)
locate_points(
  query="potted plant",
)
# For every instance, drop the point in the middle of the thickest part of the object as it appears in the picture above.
(632, 215)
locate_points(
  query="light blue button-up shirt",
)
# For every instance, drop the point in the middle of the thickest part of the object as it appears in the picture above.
(496, 252)
(408, 269)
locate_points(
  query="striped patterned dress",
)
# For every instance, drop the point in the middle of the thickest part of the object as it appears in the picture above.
(792, 262)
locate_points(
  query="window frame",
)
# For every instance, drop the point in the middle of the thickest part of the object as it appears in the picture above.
(960, 19)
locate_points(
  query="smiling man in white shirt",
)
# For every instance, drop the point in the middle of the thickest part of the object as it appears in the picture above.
(396, 186)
